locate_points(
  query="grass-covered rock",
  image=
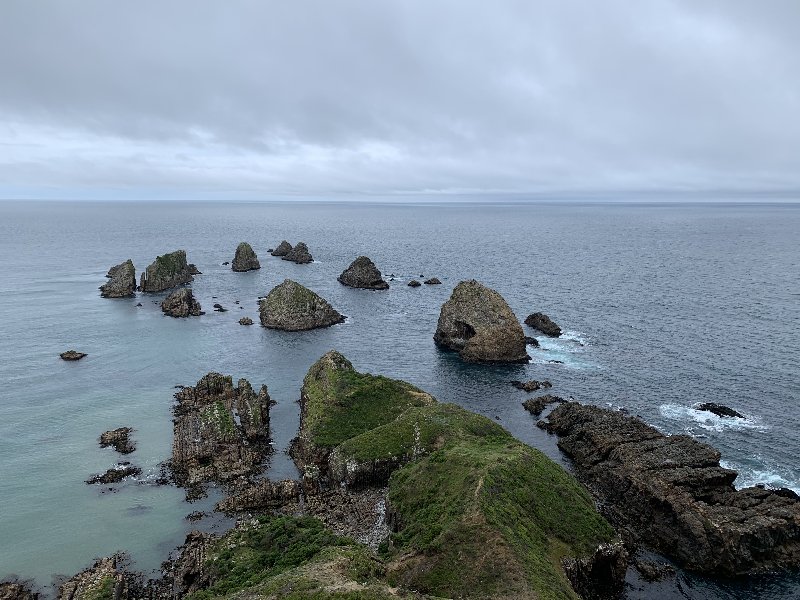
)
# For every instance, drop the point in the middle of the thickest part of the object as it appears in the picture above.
(290, 306)
(167, 271)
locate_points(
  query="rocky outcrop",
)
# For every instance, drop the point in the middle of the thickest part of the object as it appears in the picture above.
(189, 571)
(414, 283)
(283, 249)
(245, 321)
(72, 355)
(115, 474)
(720, 410)
(167, 271)
(543, 323)
(193, 270)
(362, 273)
(221, 432)
(102, 581)
(433, 281)
(181, 303)
(671, 493)
(119, 439)
(532, 385)
(122, 281)
(535, 406)
(299, 254)
(477, 323)
(261, 496)
(293, 307)
(245, 259)
(18, 590)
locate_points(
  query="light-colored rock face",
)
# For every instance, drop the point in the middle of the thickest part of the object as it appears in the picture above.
(245, 259)
(167, 271)
(181, 303)
(362, 273)
(293, 307)
(122, 281)
(477, 323)
(283, 249)
(299, 254)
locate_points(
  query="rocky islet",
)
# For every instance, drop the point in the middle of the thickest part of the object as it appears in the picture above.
(181, 303)
(245, 259)
(290, 306)
(122, 281)
(362, 273)
(165, 272)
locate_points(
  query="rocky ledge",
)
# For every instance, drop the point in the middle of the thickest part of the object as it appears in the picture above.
(477, 323)
(221, 432)
(122, 281)
(245, 259)
(119, 439)
(167, 271)
(293, 307)
(535, 406)
(362, 273)
(181, 303)
(543, 323)
(299, 254)
(282, 250)
(671, 493)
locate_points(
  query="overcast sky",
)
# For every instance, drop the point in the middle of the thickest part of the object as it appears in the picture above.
(258, 99)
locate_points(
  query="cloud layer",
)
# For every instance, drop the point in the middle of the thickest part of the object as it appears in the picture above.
(253, 99)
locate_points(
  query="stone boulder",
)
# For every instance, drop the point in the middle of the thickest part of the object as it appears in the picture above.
(670, 492)
(299, 254)
(122, 281)
(720, 410)
(245, 321)
(167, 271)
(477, 323)
(72, 355)
(181, 303)
(245, 259)
(221, 432)
(293, 307)
(119, 439)
(282, 250)
(543, 323)
(362, 273)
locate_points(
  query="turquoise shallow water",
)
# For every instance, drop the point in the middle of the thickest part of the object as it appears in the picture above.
(664, 306)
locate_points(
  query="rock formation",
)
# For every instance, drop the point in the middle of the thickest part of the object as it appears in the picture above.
(72, 355)
(115, 474)
(532, 385)
(167, 271)
(283, 249)
(432, 281)
(221, 432)
(414, 283)
(245, 321)
(245, 259)
(261, 496)
(477, 323)
(193, 270)
(671, 493)
(293, 307)
(362, 273)
(181, 303)
(543, 323)
(720, 410)
(119, 439)
(102, 581)
(122, 281)
(299, 254)
(535, 406)
(18, 590)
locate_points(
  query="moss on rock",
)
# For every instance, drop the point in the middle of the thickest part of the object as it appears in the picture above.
(293, 307)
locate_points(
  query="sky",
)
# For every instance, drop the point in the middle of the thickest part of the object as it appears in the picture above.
(257, 99)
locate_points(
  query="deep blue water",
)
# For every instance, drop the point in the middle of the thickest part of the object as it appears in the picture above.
(664, 306)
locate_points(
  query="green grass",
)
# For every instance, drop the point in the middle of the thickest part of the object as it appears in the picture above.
(169, 264)
(220, 418)
(103, 591)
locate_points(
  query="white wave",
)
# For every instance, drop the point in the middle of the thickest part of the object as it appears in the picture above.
(749, 477)
(707, 420)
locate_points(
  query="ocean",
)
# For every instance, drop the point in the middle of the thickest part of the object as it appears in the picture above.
(663, 306)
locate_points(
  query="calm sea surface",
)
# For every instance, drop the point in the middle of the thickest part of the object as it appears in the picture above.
(664, 306)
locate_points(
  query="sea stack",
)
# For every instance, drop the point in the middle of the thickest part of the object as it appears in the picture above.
(122, 281)
(245, 259)
(283, 249)
(362, 273)
(477, 323)
(299, 254)
(543, 323)
(293, 307)
(181, 303)
(167, 271)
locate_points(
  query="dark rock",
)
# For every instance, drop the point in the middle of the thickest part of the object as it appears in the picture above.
(122, 282)
(531, 341)
(221, 432)
(190, 572)
(600, 576)
(116, 474)
(532, 385)
(414, 283)
(671, 493)
(193, 270)
(119, 439)
(261, 496)
(245, 259)
(299, 254)
(72, 355)
(477, 323)
(167, 271)
(720, 410)
(194, 516)
(432, 281)
(18, 590)
(219, 308)
(535, 406)
(226, 263)
(245, 321)
(652, 571)
(270, 250)
(543, 323)
(139, 304)
(293, 307)
(181, 303)
(282, 250)
(362, 273)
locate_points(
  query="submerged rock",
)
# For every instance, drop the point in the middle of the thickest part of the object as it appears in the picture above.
(115, 474)
(72, 355)
(362, 273)
(299, 254)
(221, 432)
(122, 281)
(282, 250)
(167, 271)
(119, 439)
(433, 281)
(245, 259)
(543, 323)
(414, 283)
(671, 493)
(293, 307)
(181, 303)
(532, 385)
(720, 410)
(477, 323)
